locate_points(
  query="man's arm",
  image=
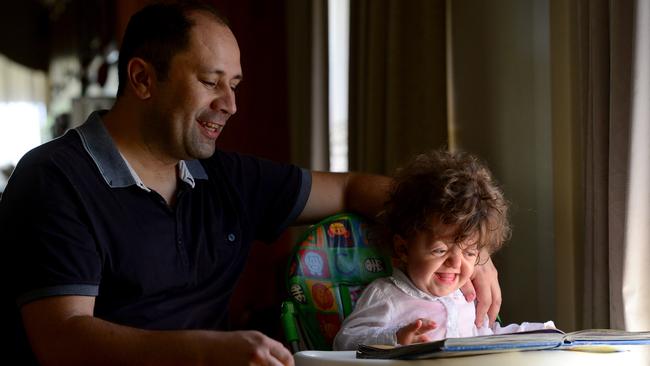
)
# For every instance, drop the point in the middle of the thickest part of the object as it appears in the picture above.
(63, 331)
(333, 193)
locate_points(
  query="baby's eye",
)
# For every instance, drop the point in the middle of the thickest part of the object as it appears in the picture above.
(471, 253)
(439, 252)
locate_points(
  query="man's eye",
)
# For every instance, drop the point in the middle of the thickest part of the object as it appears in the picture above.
(208, 83)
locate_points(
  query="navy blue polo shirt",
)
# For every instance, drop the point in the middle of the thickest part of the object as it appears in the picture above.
(76, 220)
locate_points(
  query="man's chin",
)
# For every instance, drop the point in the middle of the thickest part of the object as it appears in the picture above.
(203, 152)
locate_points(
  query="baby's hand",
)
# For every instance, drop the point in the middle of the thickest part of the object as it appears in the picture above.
(415, 332)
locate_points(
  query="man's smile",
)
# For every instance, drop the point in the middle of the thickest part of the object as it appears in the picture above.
(212, 129)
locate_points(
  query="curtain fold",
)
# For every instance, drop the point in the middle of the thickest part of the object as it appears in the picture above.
(307, 83)
(397, 82)
(594, 86)
(636, 288)
(619, 127)
(613, 39)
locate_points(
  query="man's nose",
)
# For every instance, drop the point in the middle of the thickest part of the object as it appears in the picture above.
(225, 101)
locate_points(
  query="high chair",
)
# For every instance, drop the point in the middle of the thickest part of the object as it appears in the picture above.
(327, 271)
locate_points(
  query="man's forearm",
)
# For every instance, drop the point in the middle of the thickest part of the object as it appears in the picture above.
(86, 340)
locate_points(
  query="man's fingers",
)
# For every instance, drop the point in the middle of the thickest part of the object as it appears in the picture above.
(273, 362)
(468, 291)
(495, 291)
(495, 306)
(482, 308)
(493, 312)
(488, 292)
(281, 355)
(483, 302)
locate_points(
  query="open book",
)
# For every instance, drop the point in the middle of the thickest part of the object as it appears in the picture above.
(595, 340)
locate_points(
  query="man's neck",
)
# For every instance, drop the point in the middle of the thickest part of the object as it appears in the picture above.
(156, 171)
(161, 178)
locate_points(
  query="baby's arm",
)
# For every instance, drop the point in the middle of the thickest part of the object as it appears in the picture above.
(373, 322)
(415, 332)
(369, 323)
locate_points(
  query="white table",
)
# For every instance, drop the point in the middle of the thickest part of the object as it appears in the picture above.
(637, 355)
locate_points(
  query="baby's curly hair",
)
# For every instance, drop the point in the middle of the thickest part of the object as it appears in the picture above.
(453, 187)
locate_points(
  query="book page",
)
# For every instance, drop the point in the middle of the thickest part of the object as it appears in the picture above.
(606, 334)
(589, 340)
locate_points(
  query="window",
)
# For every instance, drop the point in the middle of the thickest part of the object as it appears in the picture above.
(20, 129)
(338, 49)
(22, 113)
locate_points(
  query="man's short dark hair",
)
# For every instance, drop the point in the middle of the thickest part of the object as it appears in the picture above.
(157, 33)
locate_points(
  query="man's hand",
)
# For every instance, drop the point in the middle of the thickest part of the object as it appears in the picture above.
(252, 348)
(415, 332)
(484, 287)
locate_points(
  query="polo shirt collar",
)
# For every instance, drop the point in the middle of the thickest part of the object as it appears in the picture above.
(115, 170)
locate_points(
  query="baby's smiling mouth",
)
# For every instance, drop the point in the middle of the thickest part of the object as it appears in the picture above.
(446, 277)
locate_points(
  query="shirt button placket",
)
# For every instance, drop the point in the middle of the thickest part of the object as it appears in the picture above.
(179, 239)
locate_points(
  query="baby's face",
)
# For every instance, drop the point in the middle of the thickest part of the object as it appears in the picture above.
(437, 265)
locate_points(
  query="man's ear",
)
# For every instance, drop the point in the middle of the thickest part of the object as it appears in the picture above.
(399, 246)
(141, 76)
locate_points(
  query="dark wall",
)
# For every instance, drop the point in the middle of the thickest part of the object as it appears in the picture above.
(24, 35)
(261, 128)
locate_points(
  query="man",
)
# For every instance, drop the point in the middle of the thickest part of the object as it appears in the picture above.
(126, 236)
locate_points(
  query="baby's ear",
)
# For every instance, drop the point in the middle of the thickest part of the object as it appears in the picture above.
(399, 246)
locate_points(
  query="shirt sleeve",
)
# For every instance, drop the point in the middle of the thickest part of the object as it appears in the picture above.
(369, 323)
(51, 250)
(273, 194)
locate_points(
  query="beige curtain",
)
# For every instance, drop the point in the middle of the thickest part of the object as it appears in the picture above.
(397, 81)
(594, 93)
(636, 287)
(614, 63)
(397, 108)
(21, 84)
